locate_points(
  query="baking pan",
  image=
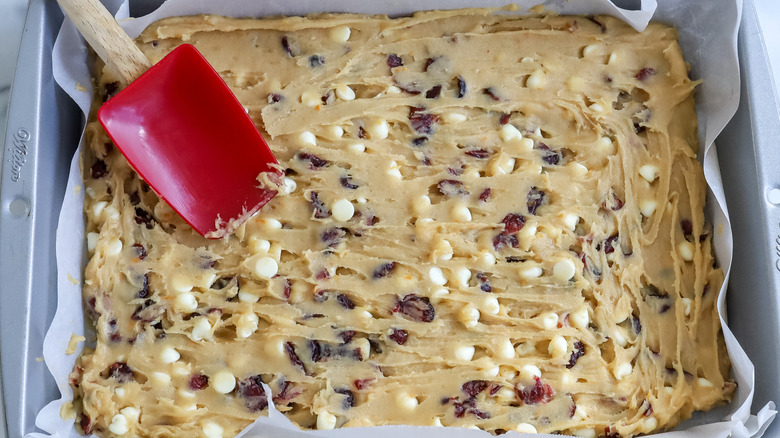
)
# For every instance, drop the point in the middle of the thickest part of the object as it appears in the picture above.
(44, 126)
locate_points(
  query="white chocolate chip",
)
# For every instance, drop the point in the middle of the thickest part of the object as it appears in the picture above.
(506, 394)
(505, 349)
(311, 98)
(571, 220)
(120, 392)
(606, 145)
(258, 245)
(596, 108)
(504, 165)
(486, 259)
(685, 249)
(461, 276)
(589, 50)
(612, 58)
(180, 283)
(357, 148)
(578, 169)
(263, 267)
(649, 425)
(436, 422)
(421, 204)
(558, 346)
(223, 381)
(119, 425)
(549, 320)
(406, 401)
(509, 133)
(460, 213)
(377, 129)
(213, 430)
(92, 239)
(290, 185)
(704, 383)
(436, 276)
(246, 325)
(439, 293)
(186, 302)
(453, 118)
(580, 318)
(340, 34)
(536, 81)
(585, 433)
(160, 379)
(491, 306)
(687, 306)
(112, 213)
(344, 92)
(442, 251)
(525, 428)
(246, 297)
(564, 270)
(343, 210)
(469, 316)
(335, 132)
(169, 355)
(529, 372)
(580, 413)
(647, 207)
(326, 421)
(464, 352)
(393, 170)
(113, 247)
(90, 192)
(526, 144)
(622, 370)
(306, 138)
(276, 347)
(201, 330)
(272, 224)
(649, 172)
(487, 366)
(529, 271)
(392, 89)
(132, 413)
(98, 208)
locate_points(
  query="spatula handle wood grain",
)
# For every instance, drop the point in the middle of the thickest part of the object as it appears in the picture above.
(107, 38)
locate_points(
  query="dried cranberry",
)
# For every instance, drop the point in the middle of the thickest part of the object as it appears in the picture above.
(383, 270)
(99, 169)
(289, 347)
(422, 122)
(485, 195)
(251, 390)
(474, 387)
(513, 223)
(617, 203)
(491, 92)
(550, 156)
(451, 187)
(363, 383)
(140, 251)
(275, 98)
(609, 432)
(534, 199)
(609, 244)
(147, 312)
(315, 162)
(399, 336)
(599, 24)
(664, 308)
(86, 424)
(290, 48)
(578, 350)
(394, 60)
(508, 240)
(482, 415)
(320, 210)
(539, 392)
(349, 400)
(419, 141)
(144, 217)
(318, 351)
(687, 227)
(110, 90)
(120, 372)
(286, 392)
(417, 308)
(345, 301)
(504, 119)
(461, 87)
(333, 236)
(637, 325)
(347, 335)
(484, 282)
(144, 292)
(478, 153)
(433, 93)
(199, 381)
(134, 198)
(346, 182)
(329, 98)
(645, 73)
(316, 61)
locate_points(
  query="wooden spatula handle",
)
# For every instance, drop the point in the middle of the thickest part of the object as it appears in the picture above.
(109, 41)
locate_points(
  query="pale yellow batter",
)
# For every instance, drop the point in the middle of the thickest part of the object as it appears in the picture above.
(487, 221)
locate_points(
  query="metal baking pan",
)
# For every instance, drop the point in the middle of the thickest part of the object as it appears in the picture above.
(44, 126)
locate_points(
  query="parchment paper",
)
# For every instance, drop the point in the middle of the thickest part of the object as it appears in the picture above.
(708, 36)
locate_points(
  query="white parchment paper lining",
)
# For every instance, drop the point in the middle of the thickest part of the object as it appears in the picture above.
(708, 36)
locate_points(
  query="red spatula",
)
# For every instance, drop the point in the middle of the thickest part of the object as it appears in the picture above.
(180, 127)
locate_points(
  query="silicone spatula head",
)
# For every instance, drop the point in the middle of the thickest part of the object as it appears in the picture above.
(189, 138)
(181, 128)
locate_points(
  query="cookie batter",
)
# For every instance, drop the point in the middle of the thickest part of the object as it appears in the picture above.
(487, 221)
